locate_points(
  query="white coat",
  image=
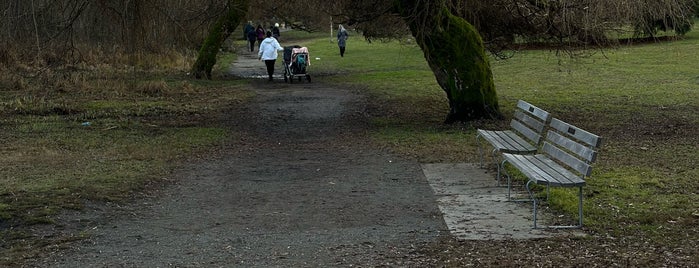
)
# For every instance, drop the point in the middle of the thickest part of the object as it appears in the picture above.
(269, 48)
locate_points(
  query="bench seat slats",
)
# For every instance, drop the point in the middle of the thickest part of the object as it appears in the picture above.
(507, 141)
(564, 160)
(543, 170)
(525, 135)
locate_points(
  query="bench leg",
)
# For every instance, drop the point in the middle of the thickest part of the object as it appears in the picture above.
(531, 195)
(509, 185)
(494, 154)
(580, 207)
(480, 148)
(580, 213)
(509, 179)
(500, 171)
(498, 165)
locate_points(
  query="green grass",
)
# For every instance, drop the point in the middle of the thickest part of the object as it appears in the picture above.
(71, 137)
(643, 100)
(102, 140)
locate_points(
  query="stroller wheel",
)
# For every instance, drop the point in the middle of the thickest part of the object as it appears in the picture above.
(308, 78)
(286, 78)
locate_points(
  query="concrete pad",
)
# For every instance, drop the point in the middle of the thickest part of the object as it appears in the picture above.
(475, 208)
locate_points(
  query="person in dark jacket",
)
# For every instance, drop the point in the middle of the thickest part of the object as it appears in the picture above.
(252, 37)
(275, 31)
(342, 36)
(248, 28)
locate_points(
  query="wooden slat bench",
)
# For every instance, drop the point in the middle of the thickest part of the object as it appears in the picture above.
(564, 161)
(524, 137)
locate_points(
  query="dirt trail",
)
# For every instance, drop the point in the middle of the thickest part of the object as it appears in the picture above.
(301, 188)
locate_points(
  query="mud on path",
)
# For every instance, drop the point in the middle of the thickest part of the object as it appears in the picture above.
(300, 186)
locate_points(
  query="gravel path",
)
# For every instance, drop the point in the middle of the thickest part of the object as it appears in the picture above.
(303, 187)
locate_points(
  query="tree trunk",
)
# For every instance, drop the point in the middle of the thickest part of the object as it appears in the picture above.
(219, 32)
(456, 54)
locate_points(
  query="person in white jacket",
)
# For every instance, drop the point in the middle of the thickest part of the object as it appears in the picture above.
(268, 53)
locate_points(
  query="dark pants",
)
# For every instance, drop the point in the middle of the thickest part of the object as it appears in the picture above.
(342, 51)
(270, 68)
(252, 44)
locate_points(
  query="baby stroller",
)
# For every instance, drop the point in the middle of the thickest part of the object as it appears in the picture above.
(296, 63)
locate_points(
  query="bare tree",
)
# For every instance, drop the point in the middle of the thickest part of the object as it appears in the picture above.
(65, 27)
(572, 24)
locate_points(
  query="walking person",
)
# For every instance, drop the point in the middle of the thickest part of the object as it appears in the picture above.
(268, 53)
(342, 36)
(260, 32)
(246, 31)
(252, 37)
(275, 31)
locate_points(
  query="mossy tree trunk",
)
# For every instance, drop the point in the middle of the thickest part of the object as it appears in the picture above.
(219, 32)
(456, 54)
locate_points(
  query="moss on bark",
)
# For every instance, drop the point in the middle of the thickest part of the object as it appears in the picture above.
(218, 33)
(456, 54)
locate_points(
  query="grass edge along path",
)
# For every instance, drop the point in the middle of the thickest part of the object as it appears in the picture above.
(94, 135)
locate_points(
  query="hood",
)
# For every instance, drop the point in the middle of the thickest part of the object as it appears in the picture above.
(268, 40)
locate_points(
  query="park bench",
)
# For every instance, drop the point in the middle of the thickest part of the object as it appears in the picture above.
(564, 160)
(524, 137)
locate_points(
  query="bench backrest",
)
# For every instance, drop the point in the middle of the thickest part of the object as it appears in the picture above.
(571, 146)
(530, 121)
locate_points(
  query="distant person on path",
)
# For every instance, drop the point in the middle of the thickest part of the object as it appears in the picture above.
(260, 34)
(248, 28)
(268, 53)
(342, 36)
(275, 31)
(252, 38)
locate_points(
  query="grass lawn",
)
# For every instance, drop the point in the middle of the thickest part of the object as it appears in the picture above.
(102, 135)
(71, 135)
(643, 100)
